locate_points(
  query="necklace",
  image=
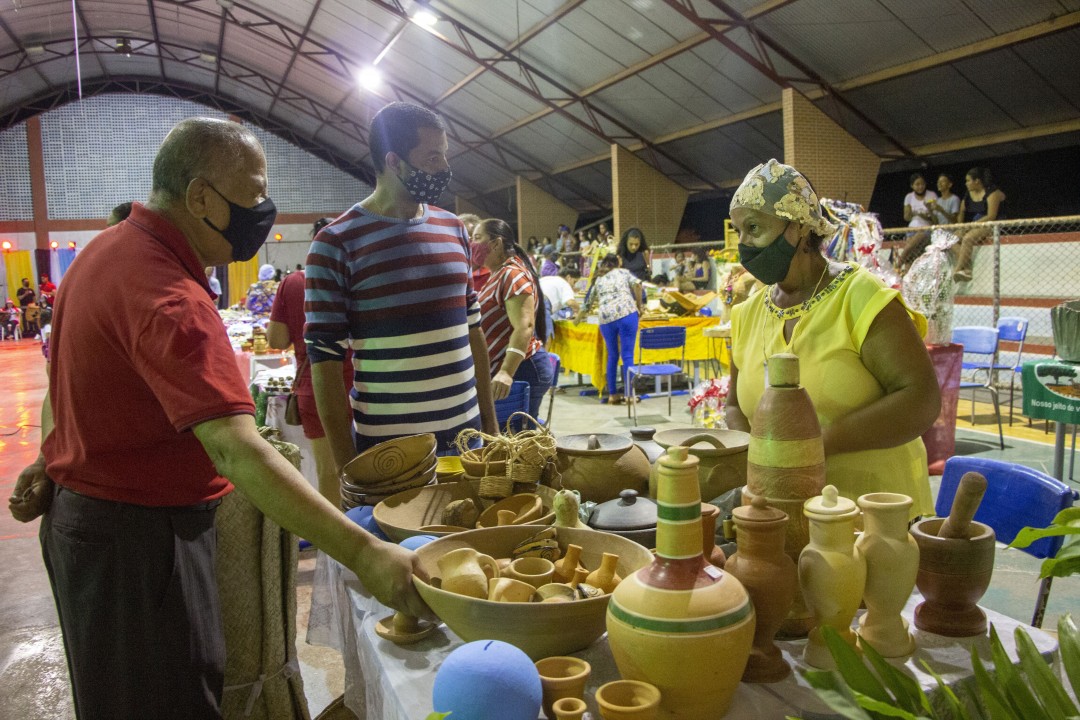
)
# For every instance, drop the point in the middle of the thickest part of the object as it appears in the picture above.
(797, 311)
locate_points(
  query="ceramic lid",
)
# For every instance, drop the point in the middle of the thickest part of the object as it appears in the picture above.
(829, 503)
(758, 511)
(706, 442)
(627, 512)
(642, 433)
(594, 444)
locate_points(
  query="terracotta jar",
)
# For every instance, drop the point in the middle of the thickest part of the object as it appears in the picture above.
(629, 515)
(710, 514)
(723, 456)
(600, 466)
(832, 572)
(953, 575)
(682, 607)
(786, 464)
(643, 438)
(892, 562)
(770, 577)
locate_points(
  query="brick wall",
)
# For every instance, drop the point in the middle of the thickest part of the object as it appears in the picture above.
(540, 213)
(837, 164)
(644, 198)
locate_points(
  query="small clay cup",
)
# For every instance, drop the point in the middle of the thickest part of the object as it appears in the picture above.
(568, 709)
(628, 700)
(534, 570)
(562, 677)
(953, 575)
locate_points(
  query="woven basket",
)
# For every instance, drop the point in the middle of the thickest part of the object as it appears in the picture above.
(495, 486)
(525, 473)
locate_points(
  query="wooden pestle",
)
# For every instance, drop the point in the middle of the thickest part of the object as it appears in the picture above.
(968, 496)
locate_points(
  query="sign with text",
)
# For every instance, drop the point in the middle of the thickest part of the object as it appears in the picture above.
(1052, 391)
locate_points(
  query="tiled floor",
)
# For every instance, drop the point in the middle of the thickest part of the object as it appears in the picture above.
(33, 678)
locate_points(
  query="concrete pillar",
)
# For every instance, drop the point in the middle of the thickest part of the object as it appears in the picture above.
(836, 163)
(540, 213)
(644, 198)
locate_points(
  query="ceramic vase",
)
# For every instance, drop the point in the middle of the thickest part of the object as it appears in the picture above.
(786, 465)
(567, 564)
(605, 577)
(681, 607)
(832, 572)
(892, 562)
(953, 575)
(771, 578)
(714, 555)
(600, 466)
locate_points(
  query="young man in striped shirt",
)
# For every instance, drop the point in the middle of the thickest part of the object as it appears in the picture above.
(391, 278)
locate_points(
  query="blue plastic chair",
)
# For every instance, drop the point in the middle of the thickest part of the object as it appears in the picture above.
(1016, 497)
(1013, 329)
(556, 361)
(516, 401)
(656, 338)
(980, 341)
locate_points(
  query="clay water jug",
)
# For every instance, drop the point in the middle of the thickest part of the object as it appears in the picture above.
(599, 466)
(892, 562)
(709, 516)
(832, 572)
(466, 572)
(786, 464)
(770, 577)
(681, 607)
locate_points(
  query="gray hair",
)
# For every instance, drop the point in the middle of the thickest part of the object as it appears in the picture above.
(198, 147)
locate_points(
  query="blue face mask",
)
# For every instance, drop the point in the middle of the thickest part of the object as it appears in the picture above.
(248, 228)
(769, 264)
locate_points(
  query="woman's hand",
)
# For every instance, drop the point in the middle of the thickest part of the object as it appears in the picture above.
(500, 385)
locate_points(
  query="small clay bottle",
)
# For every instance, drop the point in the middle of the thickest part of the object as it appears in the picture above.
(709, 515)
(567, 564)
(605, 577)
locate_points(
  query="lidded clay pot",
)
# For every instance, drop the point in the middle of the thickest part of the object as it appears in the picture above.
(953, 575)
(892, 562)
(786, 464)
(681, 607)
(770, 577)
(629, 515)
(723, 456)
(832, 572)
(601, 465)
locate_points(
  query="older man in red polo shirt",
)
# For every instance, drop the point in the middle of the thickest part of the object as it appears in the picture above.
(146, 422)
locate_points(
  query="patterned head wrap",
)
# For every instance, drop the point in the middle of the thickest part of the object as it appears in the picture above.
(782, 191)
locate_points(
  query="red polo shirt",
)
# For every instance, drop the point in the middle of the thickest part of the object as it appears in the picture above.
(138, 356)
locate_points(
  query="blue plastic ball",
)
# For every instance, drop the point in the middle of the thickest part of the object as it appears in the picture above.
(416, 542)
(488, 680)
(361, 515)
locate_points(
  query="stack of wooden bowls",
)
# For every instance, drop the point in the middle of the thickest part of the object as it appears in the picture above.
(388, 468)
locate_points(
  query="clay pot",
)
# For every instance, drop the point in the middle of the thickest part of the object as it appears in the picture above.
(682, 607)
(832, 572)
(643, 438)
(523, 509)
(892, 562)
(466, 572)
(722, 454)
(631, 516)
(770, 577)
(562, 677)
(532, 570)
(600, 466)
(569, 709)
(786, 464)
(709, 515)
(629, 700)
(953, 575)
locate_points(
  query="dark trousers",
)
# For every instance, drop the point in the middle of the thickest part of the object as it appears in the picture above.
(539, 372)
(137, 598)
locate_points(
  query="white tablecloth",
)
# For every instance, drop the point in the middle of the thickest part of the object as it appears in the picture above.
(384, 681)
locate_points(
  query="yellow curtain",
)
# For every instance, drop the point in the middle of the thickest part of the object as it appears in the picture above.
(19, 264)
(241, 277)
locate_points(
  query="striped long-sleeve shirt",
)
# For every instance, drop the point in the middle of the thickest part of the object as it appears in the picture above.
(399, 292)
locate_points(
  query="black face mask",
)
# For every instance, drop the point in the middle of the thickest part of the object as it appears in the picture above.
(248, 228)
(768, 264)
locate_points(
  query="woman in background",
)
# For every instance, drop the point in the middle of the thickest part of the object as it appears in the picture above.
(617, 296)
(983, 203)
(634, 254)
(260, 297)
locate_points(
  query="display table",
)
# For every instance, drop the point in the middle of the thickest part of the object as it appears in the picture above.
(1051, 392)
(386, 682)
(581, 348)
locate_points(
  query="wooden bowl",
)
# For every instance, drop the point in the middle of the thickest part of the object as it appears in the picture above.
(474, 466)
(529, 504)
(423, 476)
(393, 459)
(539, 629)
(404, 514)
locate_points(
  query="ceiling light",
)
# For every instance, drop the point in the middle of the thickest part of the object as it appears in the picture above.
(54, 245)
(369, 78)
(6, 246)
(123, 46)
(425, 18)
(34, 49)
(208, 57)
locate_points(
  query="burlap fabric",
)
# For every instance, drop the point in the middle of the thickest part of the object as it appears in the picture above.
(256, 574)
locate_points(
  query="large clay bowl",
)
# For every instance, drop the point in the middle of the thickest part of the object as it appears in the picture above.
(422, 476)
(539, 629)
(722, 456)
(397, 458)
(402, 515)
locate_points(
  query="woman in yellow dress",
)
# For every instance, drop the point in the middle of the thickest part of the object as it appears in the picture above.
(862, 358)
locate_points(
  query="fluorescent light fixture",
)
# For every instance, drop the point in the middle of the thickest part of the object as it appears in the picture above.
(369, 78)
(425, 18)
(208, 57)
(34, 49)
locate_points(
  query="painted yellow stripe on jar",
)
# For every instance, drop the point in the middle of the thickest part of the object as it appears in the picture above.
(786, 453)
(678, 539)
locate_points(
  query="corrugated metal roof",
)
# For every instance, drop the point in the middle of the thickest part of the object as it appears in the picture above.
(665, 78)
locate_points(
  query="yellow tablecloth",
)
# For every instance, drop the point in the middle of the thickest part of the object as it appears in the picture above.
(581, 348)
